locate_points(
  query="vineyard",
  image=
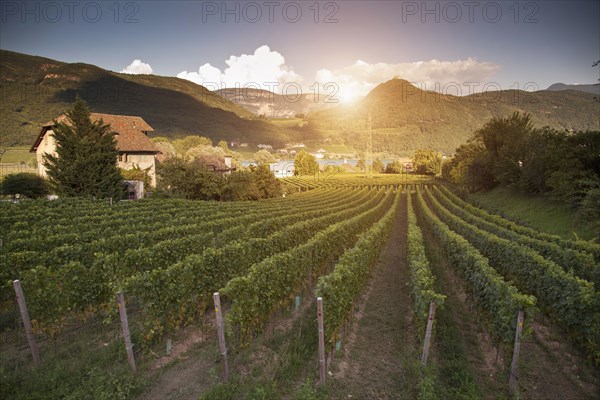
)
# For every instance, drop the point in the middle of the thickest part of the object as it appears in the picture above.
(168, 257)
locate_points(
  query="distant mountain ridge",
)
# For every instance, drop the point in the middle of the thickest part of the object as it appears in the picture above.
(37, 89)
(272, 105)
(404, 117)
(591, 88)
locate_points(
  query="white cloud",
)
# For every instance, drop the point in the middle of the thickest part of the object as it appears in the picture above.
(361, 77)
(263, 69)
(137, 67)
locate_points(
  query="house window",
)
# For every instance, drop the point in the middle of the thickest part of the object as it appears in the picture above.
(123, 157)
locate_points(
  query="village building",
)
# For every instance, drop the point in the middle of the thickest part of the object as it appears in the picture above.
(216, 164)
(136, 150)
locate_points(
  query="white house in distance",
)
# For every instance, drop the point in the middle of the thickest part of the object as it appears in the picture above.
(133, 144)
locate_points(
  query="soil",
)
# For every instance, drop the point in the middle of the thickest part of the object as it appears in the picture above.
(374, 363)
(192, 367)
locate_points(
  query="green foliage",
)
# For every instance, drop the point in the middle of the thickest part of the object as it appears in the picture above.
(590, 208)
(305, 164)
(582, 264)
(188, 142)
(83, 372)
(378, 166)
(340, 288)
(85, 163)
(25, 184)
(272, 282)
(361, 165)
(241, 185)
(172, 255)
(394, 167)
(267, 185)
(427, 388)
(498, 300)
(427, 162)
(577, 169)
(137, 174)
(160, 139)
(256, 182)
(579, 245)
(223, 144)
(180, 288)
(503, 139)
(192, 180)
(510, 152)
(570, 301)
(263, 156)
(470, 168)
(422, 279)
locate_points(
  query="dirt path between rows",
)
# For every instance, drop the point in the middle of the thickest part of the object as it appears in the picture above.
(374, 363)
(192, 367)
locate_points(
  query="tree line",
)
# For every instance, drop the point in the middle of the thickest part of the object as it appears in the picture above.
(509, 151)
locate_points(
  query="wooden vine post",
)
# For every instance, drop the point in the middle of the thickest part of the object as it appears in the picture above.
(221, 336)
(513, 380)
(322, 365)
(428, 333)
(125, 329)
(27, 323)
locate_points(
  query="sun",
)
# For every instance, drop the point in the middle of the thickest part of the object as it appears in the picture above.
(348, 95)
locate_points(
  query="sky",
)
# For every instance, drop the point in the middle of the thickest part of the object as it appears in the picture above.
(344, 48)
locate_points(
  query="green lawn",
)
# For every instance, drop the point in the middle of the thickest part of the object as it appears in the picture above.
(538, 212)
(17, 155)
(286, 122)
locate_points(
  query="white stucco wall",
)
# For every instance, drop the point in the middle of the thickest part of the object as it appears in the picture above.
(143, 161)
(47, 146)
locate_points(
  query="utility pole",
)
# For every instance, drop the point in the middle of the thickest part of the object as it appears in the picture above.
(369, 166)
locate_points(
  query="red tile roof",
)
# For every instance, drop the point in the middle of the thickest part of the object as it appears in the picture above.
(131, 132)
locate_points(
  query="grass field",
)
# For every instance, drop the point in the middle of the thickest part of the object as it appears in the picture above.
(287, 122)
(17, 155)
(536, 211)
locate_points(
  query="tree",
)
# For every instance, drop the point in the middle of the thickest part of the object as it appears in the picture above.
(427, 162)
(188, 142)
(267, 184)
(503, 140)
(189, 179)
(263, 156)
(470, 167)
(305, 164)
(394, 167)
(25, 184)
(360, 165)
(85, 163)
(378, 166)
(240, 185)
(223, 144)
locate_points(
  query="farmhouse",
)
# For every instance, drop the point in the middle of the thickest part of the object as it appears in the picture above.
(216, 164)
(134, 146)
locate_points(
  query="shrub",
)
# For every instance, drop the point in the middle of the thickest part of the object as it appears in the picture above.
(25, 184)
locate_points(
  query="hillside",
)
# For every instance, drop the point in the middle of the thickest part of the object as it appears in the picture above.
(592, 88)
(405, 118)
(37, 89)
(272, 105)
